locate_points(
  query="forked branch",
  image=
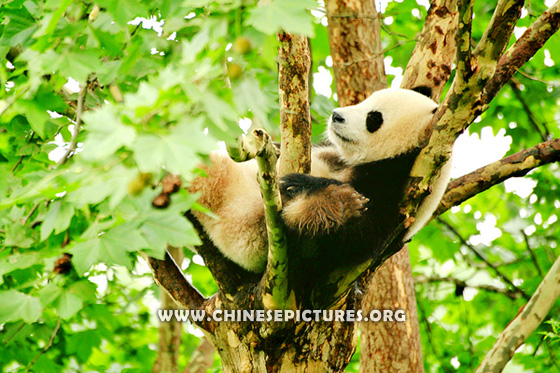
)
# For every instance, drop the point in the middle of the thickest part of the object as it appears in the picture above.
(518, 164)
(169, 276)
(276, 292)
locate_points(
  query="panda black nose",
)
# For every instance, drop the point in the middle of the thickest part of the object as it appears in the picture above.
(337, 118)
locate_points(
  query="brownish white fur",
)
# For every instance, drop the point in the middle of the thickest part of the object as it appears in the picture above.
(232, 193)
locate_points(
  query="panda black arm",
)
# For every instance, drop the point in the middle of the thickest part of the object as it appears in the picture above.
(314, 206)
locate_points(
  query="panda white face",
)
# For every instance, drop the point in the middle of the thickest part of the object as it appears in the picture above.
(388, 123)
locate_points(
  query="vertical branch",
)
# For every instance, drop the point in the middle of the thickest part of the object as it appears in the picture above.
(169, 333)
(392, 285)
(463, 40)
(525, 323)
(432, 59)
(523, 49)
(74, 140)
(276, 290)
(497, 34)
(294, 64)
(355, 42)
(276, 293)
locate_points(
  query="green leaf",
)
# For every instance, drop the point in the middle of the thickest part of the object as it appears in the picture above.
(79, 65)
(47, 28)
(57, 218)
(11, 262)
(49, 294)
(18, 306)
(18, 235)
(81, 344)
(287, 15)
(176, 151)
(97, 186)
(107, 134)
(111, 43)
(250, 97)
(109, 247)
(35, 110)
(85, 290)
(163, 228)
(20, 26)
(69, 303)
(124, 11)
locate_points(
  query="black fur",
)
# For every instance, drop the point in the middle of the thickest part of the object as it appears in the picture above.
(383, 182)
(293, 185)
(374, 121)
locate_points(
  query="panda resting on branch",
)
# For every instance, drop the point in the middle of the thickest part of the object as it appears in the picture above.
(348, 206)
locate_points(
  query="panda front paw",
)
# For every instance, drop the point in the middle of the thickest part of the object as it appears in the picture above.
(315, 206)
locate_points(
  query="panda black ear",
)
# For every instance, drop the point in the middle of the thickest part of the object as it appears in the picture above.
(423, 90)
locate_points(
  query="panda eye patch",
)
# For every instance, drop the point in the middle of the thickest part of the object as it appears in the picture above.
(374, 121)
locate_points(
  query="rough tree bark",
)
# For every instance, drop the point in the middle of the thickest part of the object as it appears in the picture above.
(354, 36)
(355, 41)
(169, 332)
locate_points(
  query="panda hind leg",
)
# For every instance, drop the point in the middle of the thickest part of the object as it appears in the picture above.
(314, 206)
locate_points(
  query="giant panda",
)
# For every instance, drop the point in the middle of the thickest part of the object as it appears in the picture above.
(349, 204)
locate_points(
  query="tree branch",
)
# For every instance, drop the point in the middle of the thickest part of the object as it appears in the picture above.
(518, 164)
(294, 64)
(467, 97)
(276, 292)
(512, 294)
(355, 49)
(530, 116)
(169, 276)
(522, 50)
(47, 346)
(481, 257)
(74, 141)
(525, 323)
(463, 40)
(497, 34)
(531, 253)
(431, 61)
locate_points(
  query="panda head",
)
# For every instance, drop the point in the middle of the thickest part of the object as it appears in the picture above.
(388, 123)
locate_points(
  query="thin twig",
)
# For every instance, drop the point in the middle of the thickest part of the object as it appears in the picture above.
(481, 257)
(429, 333)
(517, 93)
(512, 294)
(49, 344)
(35, 207)
(552, 355)
(13, 100)
(23, 156)
(21, 326)
(74, 140)
(530, 77)
(532, 254)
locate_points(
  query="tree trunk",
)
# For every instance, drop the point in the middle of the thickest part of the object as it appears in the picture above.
(292, 347)
(354, 35)
(169, 332)
(392, 347)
